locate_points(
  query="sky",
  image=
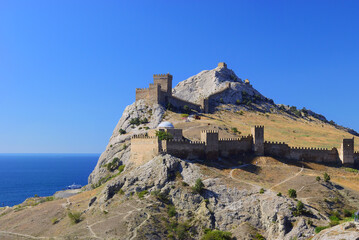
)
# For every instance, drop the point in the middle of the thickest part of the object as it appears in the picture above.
(69, 68)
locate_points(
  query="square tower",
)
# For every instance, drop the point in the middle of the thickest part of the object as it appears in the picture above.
(165, 81)
(210, 139)
(258, 140)
(346, 153)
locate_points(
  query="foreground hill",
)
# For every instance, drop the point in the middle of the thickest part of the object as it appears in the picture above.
(246, 198)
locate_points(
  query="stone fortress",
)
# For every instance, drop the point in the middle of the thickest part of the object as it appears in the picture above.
(160, 92)
(210, 146)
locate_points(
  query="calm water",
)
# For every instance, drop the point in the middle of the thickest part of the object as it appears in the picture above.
(24, 175)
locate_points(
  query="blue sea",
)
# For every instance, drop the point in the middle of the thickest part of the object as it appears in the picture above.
(24, 175)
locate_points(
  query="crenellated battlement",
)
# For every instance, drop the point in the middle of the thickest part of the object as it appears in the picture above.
(229, 139)
(161, 75)
(137, 136)
(142, 89)
(211, 147)
(209, 131)
(310, 148)
(276, 143)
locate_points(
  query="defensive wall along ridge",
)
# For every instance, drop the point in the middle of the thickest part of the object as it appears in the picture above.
(160, 92)
(211, 147)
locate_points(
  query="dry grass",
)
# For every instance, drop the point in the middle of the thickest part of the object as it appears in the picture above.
(280, 128)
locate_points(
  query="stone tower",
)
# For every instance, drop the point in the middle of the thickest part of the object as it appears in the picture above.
(165, 81)
(346, 153)
(222, 65)
(210, 138)
(258, 140)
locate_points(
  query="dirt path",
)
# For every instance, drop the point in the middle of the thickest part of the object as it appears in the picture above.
(23, 235)
(286, 180)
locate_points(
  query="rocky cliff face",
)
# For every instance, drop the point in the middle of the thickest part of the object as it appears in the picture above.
(145, 117)
(219, 206)
(209, 82)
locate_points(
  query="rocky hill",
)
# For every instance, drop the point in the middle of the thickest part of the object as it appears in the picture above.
(163, 198)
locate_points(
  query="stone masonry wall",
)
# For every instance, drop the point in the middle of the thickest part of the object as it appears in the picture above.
(179, 103)
(318, 155)
(143, 148)
(235, 146)
(282, 150)
(185, 149)
(276, 149)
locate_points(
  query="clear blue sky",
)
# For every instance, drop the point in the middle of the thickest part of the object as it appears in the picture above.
(69, 68)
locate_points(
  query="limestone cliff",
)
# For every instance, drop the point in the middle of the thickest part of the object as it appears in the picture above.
(212, 81)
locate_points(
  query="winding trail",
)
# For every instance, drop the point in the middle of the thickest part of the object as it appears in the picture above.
(290, 178)
(23, 235)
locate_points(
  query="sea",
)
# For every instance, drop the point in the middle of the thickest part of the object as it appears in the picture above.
(24, 175)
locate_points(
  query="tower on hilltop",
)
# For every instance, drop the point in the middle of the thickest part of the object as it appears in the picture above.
(258, 140)
(222, 65)
(165, 81)
(346, 153)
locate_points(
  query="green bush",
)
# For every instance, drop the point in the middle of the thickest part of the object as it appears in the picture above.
(54, 220)
(235, 130)
(216, 235)
(161, 196)
(184, 115)
(111, 166)
(279, 194)
(171, 211)
(198, 187)
(121, 131)
(142, 194)
(353, 170)
(162, 135)
(326, 177)
(292, 193)
(299, 209)
(238, 102)
(259, 237)
(347, 213)
(318, 229)
(186, 109)
(317, 178)
(121, 168)
(135, 121)
(261, 191)
(184, 184)
(75, 217)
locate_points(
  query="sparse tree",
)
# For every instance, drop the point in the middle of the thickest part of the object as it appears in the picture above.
(292, 193)
(326, 177)
(198, 187)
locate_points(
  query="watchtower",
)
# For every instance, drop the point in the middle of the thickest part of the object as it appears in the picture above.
(210, 138)
(258, 140)
(222, 65)
(165, 81)
(346, 153)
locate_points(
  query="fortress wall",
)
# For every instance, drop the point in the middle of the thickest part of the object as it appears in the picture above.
(356, 157)
(186, 149)
(235, 146)
(319, 155)
(212, 99)
(142, 93)
(144, 148)
(276, 149)
(154, 94)
(180, 103)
